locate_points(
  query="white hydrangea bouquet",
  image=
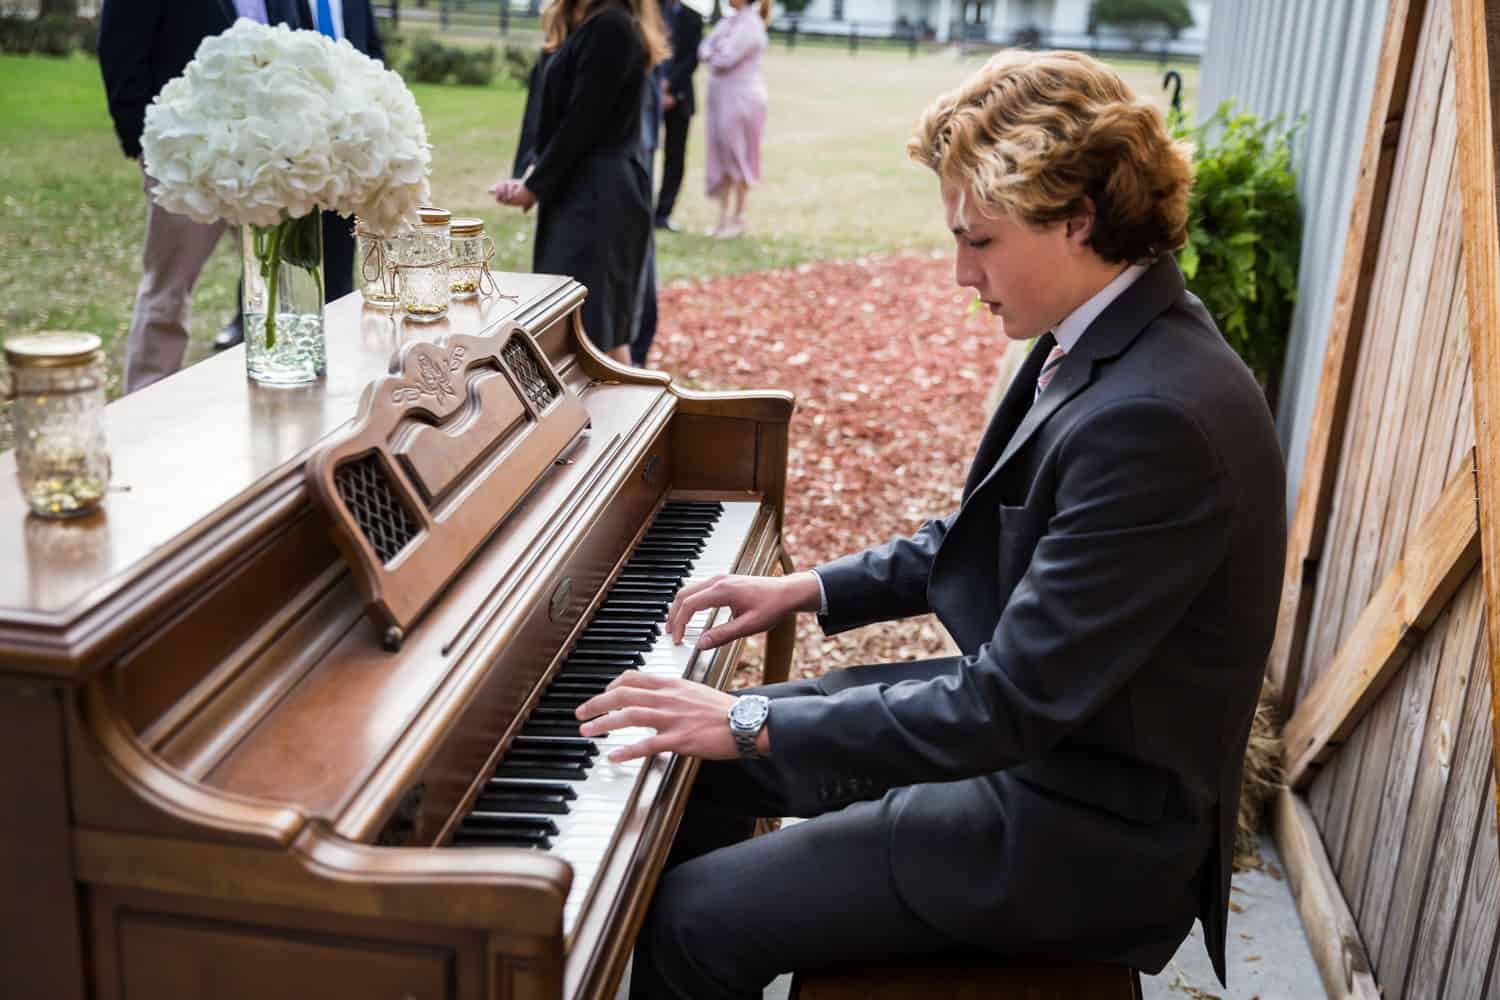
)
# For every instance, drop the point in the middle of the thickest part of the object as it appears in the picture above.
(268, 125)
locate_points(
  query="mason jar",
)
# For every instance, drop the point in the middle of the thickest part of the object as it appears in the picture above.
(422, 257)
(375, 262)
(57, 385)
(472, 251)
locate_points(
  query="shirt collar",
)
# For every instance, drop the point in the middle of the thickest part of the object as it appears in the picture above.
(1070, 331)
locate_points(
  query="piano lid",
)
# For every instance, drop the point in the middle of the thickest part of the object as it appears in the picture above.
(201, 462)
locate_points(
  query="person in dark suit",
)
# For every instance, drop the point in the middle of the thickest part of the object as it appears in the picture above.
(581, 159)
(1066, 787)
(142, 45)
(678, 103)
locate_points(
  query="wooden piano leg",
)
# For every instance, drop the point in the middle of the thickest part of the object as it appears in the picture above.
(781, 641)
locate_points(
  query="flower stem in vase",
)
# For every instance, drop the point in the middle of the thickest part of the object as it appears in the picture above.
(270, 261)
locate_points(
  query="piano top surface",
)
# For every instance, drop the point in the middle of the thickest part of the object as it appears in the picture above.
(191, 449)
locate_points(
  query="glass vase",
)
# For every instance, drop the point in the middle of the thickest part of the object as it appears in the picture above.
(283, 301)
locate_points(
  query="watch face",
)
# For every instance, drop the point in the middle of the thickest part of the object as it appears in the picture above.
(749, 711)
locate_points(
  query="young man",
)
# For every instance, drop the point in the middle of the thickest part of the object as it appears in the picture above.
(1068, 786)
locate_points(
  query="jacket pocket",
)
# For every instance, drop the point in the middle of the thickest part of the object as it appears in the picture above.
(1020, 530)
(1135, 793)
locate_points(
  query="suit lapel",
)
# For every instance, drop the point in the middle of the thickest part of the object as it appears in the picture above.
(1107, 337)
(231, 13)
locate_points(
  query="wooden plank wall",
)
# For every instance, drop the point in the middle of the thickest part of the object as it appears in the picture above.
(1406, 805)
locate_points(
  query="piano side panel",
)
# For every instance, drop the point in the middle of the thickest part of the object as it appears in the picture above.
(40, 954)
(152, 944)
(713, 453)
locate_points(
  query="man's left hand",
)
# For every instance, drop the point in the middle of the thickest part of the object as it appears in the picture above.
(688, 717)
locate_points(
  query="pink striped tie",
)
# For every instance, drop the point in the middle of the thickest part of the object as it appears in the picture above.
(1049, 369)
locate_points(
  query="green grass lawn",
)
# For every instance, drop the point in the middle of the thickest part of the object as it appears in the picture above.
(837, 182)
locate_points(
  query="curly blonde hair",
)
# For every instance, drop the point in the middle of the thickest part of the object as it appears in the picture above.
(1032, 134)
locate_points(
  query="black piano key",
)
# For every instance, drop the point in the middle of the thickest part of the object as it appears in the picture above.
(685, 550)
(693, 542)
(484, 838)
(703, 522)
(634, 607)
(565, 702)
(518, 826)
(624, 659)
(554, 713)
(593, 671)
(643, 591)
(586, 746)
(520, 797)
(655, 578)
(534, 757)
(543, 727)
(608, 646)
(561, 770)
(603, 624)
(562, 685)
(696, 505)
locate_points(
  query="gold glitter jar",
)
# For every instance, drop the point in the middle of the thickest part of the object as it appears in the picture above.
(422, 258)
(472, 251)
(57, 383)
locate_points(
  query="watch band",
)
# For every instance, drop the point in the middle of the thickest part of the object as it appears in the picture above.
(745, 743)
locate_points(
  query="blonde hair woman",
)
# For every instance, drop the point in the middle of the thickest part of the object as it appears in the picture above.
(1068, 785)
(580, 156)
(736, 110)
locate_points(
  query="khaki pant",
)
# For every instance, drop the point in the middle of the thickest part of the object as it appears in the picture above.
(174, 254)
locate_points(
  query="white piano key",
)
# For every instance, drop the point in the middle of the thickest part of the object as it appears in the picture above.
(586, 832)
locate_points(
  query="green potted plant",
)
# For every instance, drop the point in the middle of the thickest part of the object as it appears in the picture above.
(1244, 233)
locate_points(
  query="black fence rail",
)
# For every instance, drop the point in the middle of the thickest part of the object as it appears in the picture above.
(504, 16)
(470, 17)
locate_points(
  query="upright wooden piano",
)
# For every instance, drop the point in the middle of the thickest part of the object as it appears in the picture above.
(291, 716)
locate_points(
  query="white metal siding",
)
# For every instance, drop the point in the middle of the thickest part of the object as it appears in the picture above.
(1290, 57)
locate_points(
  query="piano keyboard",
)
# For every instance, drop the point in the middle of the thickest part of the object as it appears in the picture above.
(554, 790)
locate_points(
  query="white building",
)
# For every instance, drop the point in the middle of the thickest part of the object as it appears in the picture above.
(1050, 23)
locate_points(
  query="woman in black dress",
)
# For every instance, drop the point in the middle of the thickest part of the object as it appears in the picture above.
(581, 159)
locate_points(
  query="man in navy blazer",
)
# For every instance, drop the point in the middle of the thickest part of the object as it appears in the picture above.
(142, 45)
(1067, 787)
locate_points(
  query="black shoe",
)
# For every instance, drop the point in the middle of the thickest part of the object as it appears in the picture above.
(232, 335)
(668, 225)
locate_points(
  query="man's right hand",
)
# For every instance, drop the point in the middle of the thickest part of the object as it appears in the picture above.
(756, 603)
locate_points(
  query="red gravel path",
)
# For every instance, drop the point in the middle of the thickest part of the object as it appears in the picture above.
(890, 370)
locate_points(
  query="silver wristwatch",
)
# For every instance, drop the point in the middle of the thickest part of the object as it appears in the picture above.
(747, 717)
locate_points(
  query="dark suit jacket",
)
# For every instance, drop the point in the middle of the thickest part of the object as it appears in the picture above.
(1069, 786)
(686, 27)
(145, 43)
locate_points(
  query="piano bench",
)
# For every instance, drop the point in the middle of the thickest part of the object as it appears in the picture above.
(968, 977)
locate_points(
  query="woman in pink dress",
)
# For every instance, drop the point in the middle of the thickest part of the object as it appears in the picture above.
(736, 109)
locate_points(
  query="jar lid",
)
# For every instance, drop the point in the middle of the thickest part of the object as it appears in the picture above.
(434, 216)
(52, 349)
(466, 227)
